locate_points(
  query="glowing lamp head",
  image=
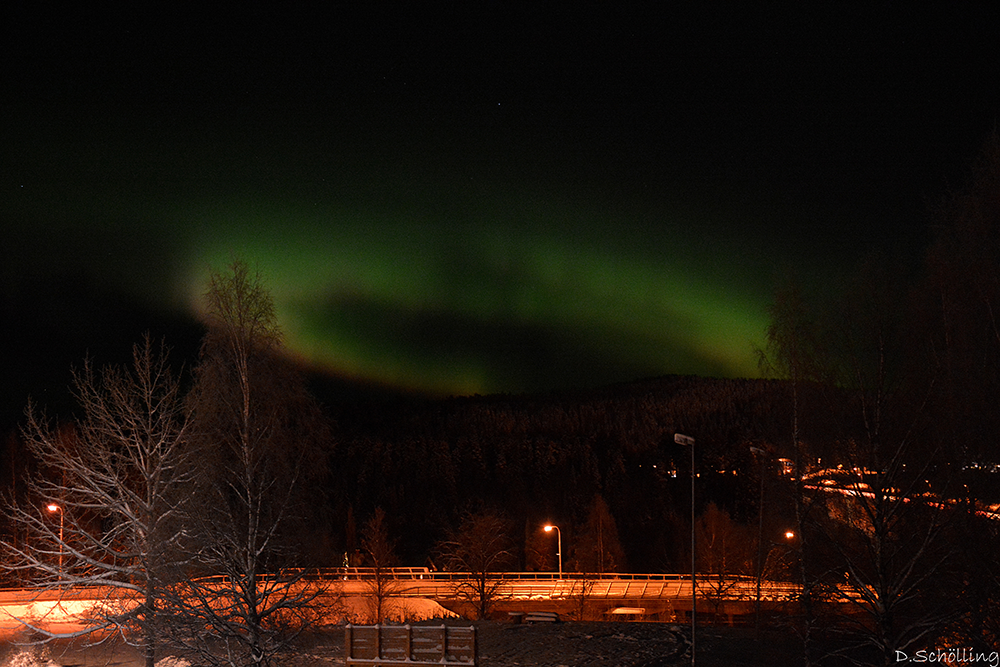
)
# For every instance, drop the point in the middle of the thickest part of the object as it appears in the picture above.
(548, 529)
(53, 507)
(789, 534)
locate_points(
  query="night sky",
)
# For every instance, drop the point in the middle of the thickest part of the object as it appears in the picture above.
(469, 200)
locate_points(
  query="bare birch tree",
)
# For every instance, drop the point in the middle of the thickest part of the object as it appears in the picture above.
(379, 550)
(795, 353)
(106, 497)
(724, 553)
(257, 434)
(482, 548)
(598, 548)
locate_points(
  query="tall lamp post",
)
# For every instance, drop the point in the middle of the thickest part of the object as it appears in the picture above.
(760, 542)
(548, 529)
(52, 507)
(688, 441)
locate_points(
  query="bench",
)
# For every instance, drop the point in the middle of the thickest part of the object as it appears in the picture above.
(409, 645)
(541, 617)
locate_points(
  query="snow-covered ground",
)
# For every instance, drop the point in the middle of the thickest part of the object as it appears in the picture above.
(501, 645)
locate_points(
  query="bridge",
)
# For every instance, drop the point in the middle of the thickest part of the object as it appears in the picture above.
(422, 582)
(58, 609)
(659, 596)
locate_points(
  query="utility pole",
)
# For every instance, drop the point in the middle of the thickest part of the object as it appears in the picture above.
(760, 543)
(687, 441)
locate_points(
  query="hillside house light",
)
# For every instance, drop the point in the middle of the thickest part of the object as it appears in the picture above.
(548, 529)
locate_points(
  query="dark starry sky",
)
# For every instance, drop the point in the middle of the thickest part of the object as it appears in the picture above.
(469, 200)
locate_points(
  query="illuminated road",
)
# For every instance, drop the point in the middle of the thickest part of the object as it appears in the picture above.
(56, 610)
(850, 483)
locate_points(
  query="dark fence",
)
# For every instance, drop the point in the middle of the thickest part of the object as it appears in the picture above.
(401, 645)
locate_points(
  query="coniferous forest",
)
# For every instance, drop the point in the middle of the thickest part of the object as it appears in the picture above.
(546, 458)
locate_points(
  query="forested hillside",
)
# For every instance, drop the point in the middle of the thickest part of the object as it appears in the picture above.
(548, 457)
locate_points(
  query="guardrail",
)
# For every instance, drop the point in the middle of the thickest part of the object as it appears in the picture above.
(423, 573)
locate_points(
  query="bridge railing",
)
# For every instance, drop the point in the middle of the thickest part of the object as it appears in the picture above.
(423, 573)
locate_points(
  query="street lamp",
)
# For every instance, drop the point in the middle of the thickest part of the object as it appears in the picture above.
(52, 507)
(548, 529)
(688, 441)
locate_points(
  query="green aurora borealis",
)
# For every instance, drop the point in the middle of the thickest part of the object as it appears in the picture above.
(499, 303)
(428, 284)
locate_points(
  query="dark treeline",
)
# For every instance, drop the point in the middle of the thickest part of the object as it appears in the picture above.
(545, 458)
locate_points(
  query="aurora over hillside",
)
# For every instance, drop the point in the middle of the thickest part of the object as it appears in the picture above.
(467, 206)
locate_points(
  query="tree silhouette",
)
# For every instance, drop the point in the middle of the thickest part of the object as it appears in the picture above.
(115, 485)
(598, 549)
(380, 552)
(482, 547)
(257, 435)
(959, 306)
(725, 550)
(877, 526)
